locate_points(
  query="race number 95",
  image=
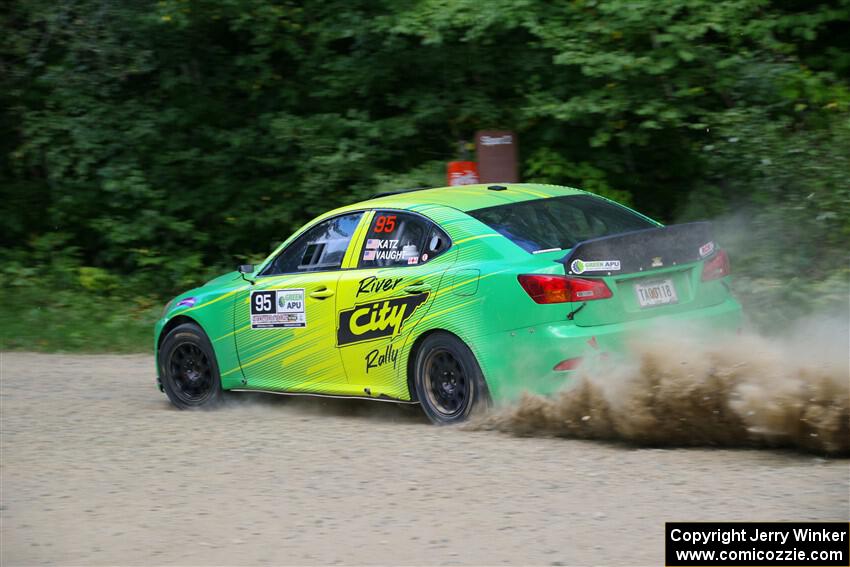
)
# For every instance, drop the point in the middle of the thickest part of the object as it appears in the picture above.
(385, 223)
(263, 302)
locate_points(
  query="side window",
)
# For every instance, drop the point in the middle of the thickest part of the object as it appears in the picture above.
(321, 248)
(437, 243)
(401, 239)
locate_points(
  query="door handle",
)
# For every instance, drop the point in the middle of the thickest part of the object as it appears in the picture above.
(417, 287)
(323, 293)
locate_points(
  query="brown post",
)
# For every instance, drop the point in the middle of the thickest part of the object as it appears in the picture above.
(497, 156)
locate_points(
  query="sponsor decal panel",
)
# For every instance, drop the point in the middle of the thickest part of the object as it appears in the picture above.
(277, 308)
(706, 249)
(581, 266)
(376, 319)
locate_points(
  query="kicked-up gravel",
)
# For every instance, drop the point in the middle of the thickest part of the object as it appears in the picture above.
(97, 468)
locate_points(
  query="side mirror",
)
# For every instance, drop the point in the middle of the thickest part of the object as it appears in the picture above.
(245, 268)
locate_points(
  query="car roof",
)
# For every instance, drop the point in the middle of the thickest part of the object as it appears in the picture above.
(466, 197)
(446, 201)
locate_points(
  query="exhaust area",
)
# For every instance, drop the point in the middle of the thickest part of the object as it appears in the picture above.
(685, 389)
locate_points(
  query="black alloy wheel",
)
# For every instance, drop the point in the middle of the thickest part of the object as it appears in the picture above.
(445, 382)
(188, 369)
(448, 380)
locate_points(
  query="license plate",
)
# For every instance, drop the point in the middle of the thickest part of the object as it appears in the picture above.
(651, 294)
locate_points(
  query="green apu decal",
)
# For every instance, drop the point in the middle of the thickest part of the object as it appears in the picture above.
(581, 266)
(272, 309)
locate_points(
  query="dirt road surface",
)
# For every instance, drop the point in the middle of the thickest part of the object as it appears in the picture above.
(97, 468)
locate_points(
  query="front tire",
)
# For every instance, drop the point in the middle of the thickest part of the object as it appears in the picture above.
(449, 383)
(188, 369)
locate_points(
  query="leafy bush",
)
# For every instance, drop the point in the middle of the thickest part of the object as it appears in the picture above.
(149, 146)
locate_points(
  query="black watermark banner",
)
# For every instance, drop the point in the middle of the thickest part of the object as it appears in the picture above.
(814, 544)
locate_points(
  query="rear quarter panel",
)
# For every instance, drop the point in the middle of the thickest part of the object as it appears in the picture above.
(480, 300)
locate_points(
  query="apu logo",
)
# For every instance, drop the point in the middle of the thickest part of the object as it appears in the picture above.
(377, 319)
(291, 301)
(581, 266)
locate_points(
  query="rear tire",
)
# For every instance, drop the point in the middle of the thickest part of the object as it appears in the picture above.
(188, 369)
(449, 383)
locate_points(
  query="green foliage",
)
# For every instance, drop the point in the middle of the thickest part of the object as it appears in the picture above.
(545, 166)
(52, 303)
(785, 218)
(149, 145)
(50, 319)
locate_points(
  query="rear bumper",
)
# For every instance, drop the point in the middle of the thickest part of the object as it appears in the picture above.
(522, 360)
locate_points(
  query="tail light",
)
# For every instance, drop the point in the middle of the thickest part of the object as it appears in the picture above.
(717, 267)
(561, 289)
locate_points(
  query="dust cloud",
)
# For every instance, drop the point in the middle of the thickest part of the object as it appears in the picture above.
(678, 387)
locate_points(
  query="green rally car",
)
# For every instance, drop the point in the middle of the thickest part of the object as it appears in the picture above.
(450, 297)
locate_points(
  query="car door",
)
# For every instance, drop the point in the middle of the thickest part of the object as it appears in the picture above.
(399, 268)
(285, 323)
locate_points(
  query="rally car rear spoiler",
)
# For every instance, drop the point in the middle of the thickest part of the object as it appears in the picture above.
(641, 250)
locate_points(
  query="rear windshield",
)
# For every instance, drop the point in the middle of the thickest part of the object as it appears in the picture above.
(559, 222)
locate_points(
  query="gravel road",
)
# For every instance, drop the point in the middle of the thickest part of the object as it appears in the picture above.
(97, 468)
